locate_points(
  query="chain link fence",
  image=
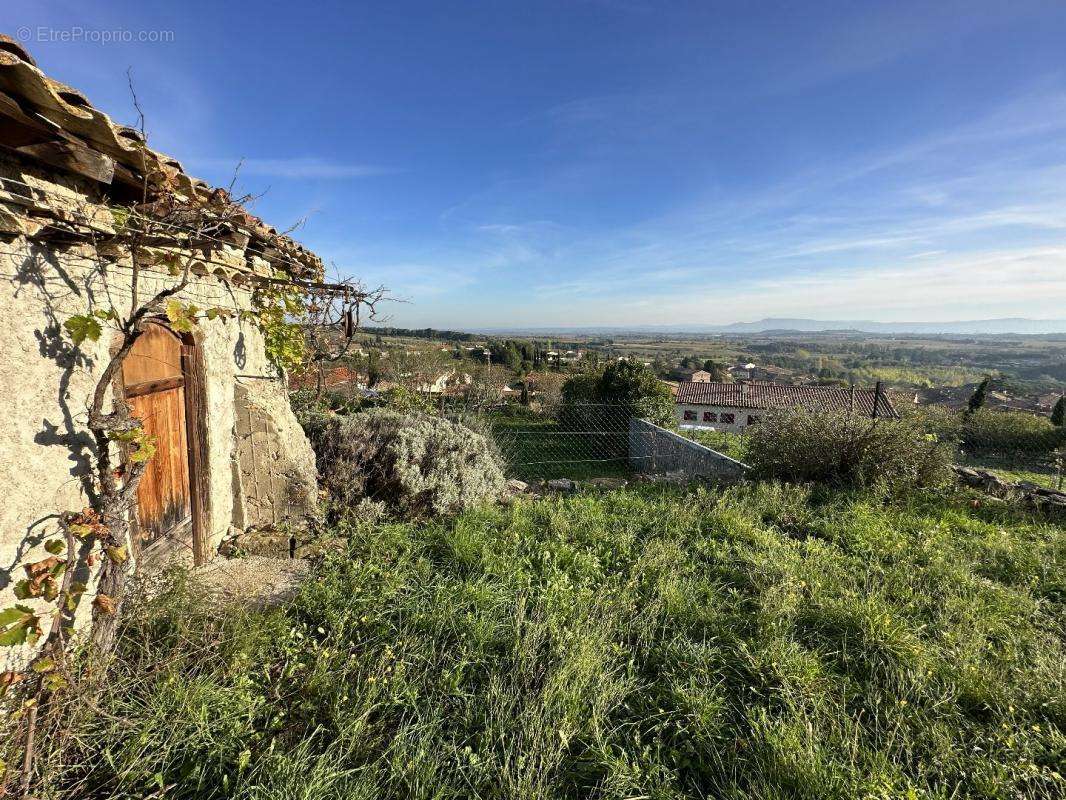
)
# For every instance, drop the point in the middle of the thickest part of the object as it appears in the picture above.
(586, 441)
(1035, 459)
(578, 441)
(1018, 448)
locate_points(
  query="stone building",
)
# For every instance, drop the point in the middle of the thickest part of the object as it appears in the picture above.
(230, 452)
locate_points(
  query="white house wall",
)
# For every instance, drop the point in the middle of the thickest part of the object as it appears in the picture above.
(740, 416)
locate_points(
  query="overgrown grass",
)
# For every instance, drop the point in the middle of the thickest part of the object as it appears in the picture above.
(658, 643)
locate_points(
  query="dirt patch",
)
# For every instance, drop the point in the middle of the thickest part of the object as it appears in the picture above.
(259, 581)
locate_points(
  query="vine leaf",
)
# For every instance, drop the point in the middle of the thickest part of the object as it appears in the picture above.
(19, 625)
(182, 317)
(7, 680)
(86, 523)
(71, 597)
(81, 327)
(41, 579)
(144, 444)
(43, 665)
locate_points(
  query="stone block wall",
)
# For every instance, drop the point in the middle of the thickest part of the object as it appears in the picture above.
(1049, 501)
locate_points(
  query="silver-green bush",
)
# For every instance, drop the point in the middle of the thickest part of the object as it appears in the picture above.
(845, 450)
(415, 464)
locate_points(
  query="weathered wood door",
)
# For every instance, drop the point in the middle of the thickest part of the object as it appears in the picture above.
(154, 377)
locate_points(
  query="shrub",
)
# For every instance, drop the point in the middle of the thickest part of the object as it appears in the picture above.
(848, 451)
(1011, 432)
(945, 423)
(1058, 413)
(414, 464)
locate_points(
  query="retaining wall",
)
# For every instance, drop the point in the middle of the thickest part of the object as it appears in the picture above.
(655, 449)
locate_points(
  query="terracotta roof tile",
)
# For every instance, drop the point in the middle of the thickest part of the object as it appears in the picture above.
(35, 99)
(778, 395)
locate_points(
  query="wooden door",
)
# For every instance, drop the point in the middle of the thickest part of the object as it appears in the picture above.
(154, 380)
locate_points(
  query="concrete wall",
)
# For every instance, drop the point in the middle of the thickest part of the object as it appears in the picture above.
(655, 449)
(268, 476)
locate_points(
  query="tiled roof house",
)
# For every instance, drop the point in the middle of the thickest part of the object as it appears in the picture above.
(734, 406)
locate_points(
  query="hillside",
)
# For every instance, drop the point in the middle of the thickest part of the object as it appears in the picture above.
(782, 325)
(761, 642)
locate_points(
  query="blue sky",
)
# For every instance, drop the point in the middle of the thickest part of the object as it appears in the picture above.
(621, 162)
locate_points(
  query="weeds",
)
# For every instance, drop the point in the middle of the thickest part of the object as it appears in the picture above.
(761, 642)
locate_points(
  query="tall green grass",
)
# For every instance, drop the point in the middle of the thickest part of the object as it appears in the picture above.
(757, 643)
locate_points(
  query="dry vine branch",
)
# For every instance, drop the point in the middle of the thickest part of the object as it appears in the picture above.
(332, 318)
(180, 226)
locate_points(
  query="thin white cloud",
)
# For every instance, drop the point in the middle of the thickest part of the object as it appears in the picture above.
(301, 167)
(1030, 282)
(997, 283)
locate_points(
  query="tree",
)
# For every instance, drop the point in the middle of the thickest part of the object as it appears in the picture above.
(978, 398)
(522, 373)
(485, 388)
(717, 371)
(622, 389)
(1058, 413)
(373, 367)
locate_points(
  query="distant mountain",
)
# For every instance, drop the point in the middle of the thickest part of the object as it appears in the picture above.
(964, 327)
(785, 325)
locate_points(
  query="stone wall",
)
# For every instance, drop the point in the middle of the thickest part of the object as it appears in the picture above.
(655, 449)
(46, 385)
(1049, 501)
(274, 475)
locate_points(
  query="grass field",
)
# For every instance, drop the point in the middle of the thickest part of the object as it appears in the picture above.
(539, 448)
(734, 445)
(652, 643)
